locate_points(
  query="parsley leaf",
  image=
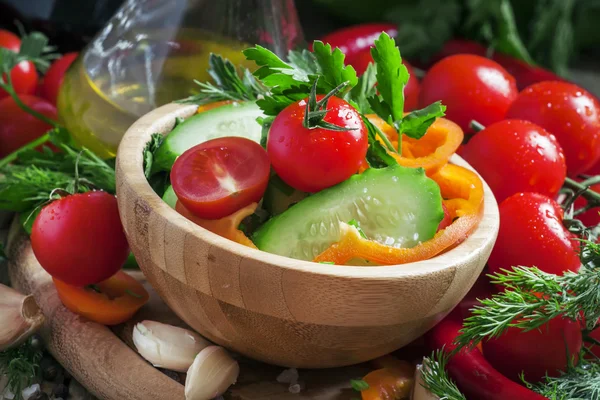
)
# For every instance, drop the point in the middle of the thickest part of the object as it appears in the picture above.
(332, 68)
(377, 155)
(416, 123)
(364, 89)
(359, 385)
(356, 224)
(392, 76)
(148, 153)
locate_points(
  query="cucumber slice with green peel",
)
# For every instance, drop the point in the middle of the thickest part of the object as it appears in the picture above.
(236, 119)
(397, 206)
(279, 196)
(170, 197)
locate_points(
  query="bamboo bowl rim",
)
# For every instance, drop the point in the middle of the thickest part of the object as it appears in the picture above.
(129, 166)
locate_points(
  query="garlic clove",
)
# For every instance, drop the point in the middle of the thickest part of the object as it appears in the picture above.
(211, 374)
(167, 346)
(20, 317)
(419, 392)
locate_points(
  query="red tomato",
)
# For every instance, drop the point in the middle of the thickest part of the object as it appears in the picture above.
(79, 239)
(569, 113)
(472, 87)
(447, 220)
(595, 334)
(218, 177)
(18, 127)
(459, 46)
(532, 234)
(521, 150)
(353, 39)
(55, 75)
(592, 216)
(24, 76)
(412, 88)
(312, 159)
(535, 352)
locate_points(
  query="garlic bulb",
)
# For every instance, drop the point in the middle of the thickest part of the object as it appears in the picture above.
(167, 346)
(20, 317)
(419, 392)
(211, 374)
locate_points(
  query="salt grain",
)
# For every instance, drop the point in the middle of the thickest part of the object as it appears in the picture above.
(288, 376)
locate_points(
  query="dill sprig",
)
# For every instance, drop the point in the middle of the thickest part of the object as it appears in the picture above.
(579, 382)
(436, 379)
(21, 365)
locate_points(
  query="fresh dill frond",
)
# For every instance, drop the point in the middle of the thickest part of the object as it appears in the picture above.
(436, 379)
(21, 365)
(580, 382)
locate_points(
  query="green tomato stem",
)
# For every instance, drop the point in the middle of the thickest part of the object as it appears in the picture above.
(592, 197)
(8, 87)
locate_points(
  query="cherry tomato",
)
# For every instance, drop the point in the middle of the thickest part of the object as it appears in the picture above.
(221, 176)
(110, 302)
(353, 39)
(312, 159)
(79, 239)
(472, 87)
(55, 75)
(412, 88)
(532, 234)
(569, 113)
(18, 127)
(516, 156)
(459, 46)
(24, 76)
(536, 352)
(591, 217)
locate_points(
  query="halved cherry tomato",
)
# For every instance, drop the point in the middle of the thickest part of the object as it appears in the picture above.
(389, 383)
(228, 227)
(23, 76)
(472, 87)
(55, 76)
(109, 302)
(432, 151)
(464, 193)
(218, 177)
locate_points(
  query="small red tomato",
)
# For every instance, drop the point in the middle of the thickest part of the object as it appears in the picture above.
(516, 156)
(412, 88)
(18, 127)
(537, 352)
(459, 46)
(524, 73)
(351, 40)
(532, 234)
(79, 239)
(569, 113)
(220, 176)
(312, 159)
(24, 76)
(55, 75)
(472, 87)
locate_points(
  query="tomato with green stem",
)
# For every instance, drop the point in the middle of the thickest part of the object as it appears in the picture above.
(18, 127)
(216, 178)
(311, 154)
(546, 350)
(79, 238)
(568, 112)
(24, 77)
(55, 76)
(516, 156)
(472, 87)
(532, 234)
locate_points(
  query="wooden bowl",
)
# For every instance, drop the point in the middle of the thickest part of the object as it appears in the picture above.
(276, 309)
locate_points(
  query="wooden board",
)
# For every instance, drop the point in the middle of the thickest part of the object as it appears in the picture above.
(104, 362)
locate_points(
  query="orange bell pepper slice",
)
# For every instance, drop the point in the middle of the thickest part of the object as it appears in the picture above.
(210, 106)
(227, 226)
(110, 302)
(431, 151)
(464, 191)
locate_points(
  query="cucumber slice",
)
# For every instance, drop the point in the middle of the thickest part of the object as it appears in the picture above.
(170, 197)
(279, 196)
(236, 119)
(397, 206)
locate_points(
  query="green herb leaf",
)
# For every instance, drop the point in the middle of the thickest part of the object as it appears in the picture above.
(392, 76)
(331, 67)
(21, 365)
(364, 89)
(327, 262)
(577, 383)
(266, 123)
(133, 294)
(416, 123)
(356, 224)
(436, 379)
(148, 153)
(377, 156)
(359, 385)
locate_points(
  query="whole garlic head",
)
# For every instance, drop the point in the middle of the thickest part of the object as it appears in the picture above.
(167, 346)
(211, 374)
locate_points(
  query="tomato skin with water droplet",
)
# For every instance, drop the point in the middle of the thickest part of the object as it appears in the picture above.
(532, 234)
(472, 87)
(516, 156)
(312, 159)
(568, 112)
(216, 178)
(79, 239)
